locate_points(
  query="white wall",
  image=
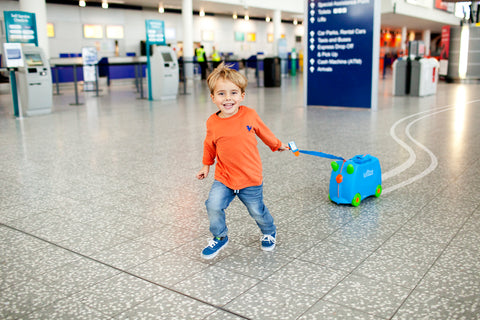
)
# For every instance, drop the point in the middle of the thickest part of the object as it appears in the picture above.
(224, 29)
(69, 20)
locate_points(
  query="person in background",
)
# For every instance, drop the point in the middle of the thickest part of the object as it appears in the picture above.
(202, 60)
(216, 59)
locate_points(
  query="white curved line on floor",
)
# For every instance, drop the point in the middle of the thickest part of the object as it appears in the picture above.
(412, 157)
(410, 162)
(433, 158)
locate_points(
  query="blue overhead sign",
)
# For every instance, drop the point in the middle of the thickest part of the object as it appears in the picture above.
(20, 27)
(342, 53)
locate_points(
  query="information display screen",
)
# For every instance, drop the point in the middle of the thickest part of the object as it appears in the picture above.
(33, 59)
(167, 57)
(14, 54)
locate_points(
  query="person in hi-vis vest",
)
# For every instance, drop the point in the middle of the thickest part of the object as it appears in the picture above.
(216, 59)
(202, 60)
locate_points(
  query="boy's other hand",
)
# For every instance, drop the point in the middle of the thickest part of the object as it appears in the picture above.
(203, 173)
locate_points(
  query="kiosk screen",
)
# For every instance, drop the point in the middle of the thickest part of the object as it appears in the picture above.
(33, 59)
(167, 57)
(14, 54)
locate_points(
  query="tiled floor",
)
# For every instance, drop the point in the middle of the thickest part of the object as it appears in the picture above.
(101, 216)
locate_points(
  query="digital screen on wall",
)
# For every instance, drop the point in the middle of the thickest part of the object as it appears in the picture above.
(239, 36)
(115, 32)
(207, 35)
(170, 34)
(92, 31)
(50, 30)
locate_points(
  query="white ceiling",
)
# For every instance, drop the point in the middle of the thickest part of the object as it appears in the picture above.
(389, 20)
(210, 7)
(397, 21)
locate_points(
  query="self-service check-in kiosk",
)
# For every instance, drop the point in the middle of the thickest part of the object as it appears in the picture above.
(35, 82)
(165, 74)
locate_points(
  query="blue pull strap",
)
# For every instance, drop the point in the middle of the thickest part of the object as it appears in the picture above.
(321, 154)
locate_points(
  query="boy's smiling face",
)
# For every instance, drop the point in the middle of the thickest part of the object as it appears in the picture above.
(227, 97)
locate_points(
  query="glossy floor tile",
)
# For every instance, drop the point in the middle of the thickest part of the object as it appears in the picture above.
(101, 216)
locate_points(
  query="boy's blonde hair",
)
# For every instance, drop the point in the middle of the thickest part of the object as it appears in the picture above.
(227, 73)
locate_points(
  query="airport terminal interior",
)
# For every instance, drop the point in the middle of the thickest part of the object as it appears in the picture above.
(102, 217)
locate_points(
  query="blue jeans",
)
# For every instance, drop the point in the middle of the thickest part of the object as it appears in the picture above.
(220, 198)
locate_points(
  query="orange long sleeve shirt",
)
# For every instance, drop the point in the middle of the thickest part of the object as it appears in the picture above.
(232, 141)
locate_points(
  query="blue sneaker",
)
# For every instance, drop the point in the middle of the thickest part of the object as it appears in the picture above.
(268, 241)
(214, 247)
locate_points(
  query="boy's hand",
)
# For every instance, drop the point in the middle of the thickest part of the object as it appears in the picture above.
(283, 147)
(203, 173)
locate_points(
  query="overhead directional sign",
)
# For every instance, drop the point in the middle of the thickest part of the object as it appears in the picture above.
(342, 53)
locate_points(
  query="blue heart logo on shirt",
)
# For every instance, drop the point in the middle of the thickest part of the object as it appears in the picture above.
(249, 128)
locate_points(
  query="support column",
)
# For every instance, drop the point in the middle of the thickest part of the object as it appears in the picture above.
(277, 23)
(404, 39)
(188, 54)
(38, 7)
(427, 39)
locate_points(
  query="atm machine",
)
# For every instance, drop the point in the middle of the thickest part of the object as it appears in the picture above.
(35, 82)
(165, 73)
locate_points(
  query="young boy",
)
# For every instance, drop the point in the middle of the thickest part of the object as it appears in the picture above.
(231, 139)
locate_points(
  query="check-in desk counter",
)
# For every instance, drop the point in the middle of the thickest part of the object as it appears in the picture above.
(113, 68)
(63, 69)
(122, 67)
(67, 70)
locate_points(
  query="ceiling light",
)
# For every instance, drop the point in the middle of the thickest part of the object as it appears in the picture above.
(202, 12)
(82, 3)
(235, 16)
(267, 19)
(295, 21)
(104, 4)
(161, 9)
(246, 17)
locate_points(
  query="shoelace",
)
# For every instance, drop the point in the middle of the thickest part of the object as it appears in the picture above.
(268, 237)
(212, 243)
